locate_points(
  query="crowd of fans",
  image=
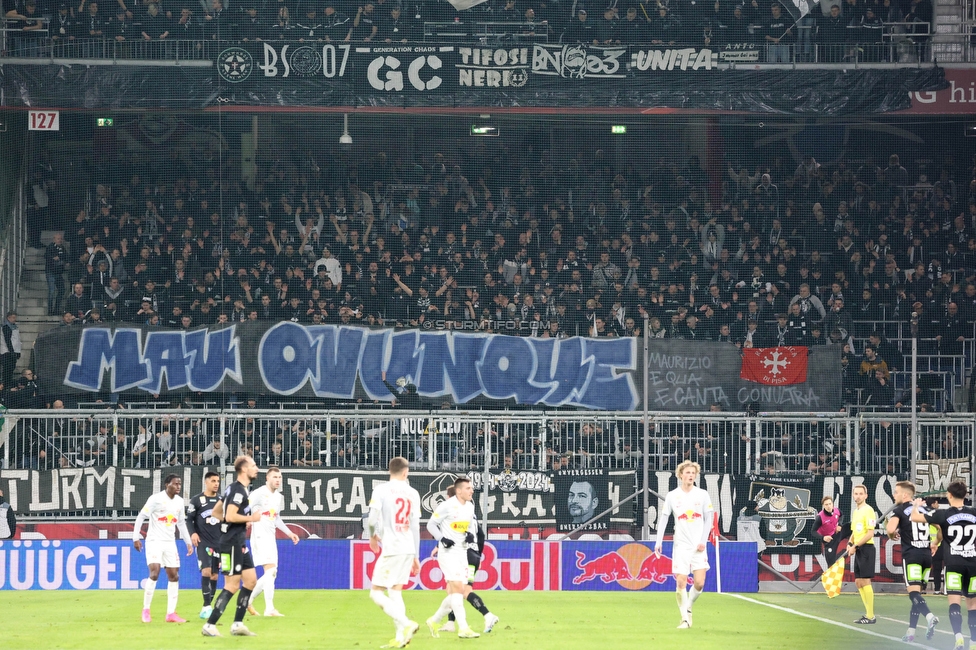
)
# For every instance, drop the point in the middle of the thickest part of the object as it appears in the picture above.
(778, 256)
(841, 30)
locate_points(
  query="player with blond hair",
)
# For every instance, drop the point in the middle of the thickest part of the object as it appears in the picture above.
(269, 502)
(693, 514)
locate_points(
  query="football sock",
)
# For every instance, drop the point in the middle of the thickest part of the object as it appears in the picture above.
(243, 600)
(955, 618)
(387, 605)
(148, 593)
(682, 598)
(172, 595)
(450, 616)
(867, 597)
(972, 624)
(693, 596)
(478, 604)
(213, 587)
(396, 597)
(219, 606)
(457, 605)
(207, 587)
(920, 604)
(913, 619)
(259, 587)
(269, 589)
(443, 609)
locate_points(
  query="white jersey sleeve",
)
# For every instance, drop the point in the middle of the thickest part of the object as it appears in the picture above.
(164, 515)
(394, 515)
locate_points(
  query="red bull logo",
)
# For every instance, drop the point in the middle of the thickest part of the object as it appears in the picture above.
(540, 571)
(655, 568)
(689, 515)
(632, 566)
(168, 520)
(609, 567)
(270, 514)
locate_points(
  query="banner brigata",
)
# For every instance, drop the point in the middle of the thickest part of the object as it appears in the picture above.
(514, 498)
(346, 363)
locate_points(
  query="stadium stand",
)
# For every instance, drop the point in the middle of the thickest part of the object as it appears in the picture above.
(872, 32)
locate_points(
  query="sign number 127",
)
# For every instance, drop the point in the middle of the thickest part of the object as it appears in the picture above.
(44, 121)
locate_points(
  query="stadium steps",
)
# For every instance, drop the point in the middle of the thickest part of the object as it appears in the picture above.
(32, 315)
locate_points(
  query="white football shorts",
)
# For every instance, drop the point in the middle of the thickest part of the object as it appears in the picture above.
(453, 563)
(162, 553)
(264, 551)
(392, 570)
(687, 560)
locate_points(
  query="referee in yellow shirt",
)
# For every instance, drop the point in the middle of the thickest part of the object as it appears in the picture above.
(863, 552)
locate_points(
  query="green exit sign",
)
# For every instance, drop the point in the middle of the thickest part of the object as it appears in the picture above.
(484, 130)
(104, 121)
(618, 129)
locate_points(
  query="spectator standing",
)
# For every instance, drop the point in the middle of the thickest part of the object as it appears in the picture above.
(10, 349)
(55, 263)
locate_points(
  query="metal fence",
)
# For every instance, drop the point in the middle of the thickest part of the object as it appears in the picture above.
(728, 443)
(12, 250)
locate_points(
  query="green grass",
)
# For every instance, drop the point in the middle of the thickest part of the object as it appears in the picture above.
(541, 620)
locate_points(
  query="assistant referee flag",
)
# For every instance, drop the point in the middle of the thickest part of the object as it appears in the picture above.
(833, 578)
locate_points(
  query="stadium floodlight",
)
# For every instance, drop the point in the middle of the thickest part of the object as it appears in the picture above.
(345, 140)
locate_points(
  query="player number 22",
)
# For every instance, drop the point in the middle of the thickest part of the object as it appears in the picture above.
(403, 511)
(962, 537)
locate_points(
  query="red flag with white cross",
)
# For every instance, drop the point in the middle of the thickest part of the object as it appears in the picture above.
(780, 366)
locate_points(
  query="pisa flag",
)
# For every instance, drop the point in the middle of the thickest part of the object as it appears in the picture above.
(775, 366)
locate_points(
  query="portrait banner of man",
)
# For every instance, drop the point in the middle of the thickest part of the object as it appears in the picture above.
(580, 495)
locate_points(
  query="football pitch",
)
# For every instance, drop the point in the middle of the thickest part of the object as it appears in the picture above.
(538, 620)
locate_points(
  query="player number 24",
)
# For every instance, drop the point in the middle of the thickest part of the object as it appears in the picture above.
(403, 511)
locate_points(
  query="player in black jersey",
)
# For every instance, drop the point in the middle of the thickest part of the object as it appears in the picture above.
(916, 557)
(205, 532)
(958, 524)
(236, 562)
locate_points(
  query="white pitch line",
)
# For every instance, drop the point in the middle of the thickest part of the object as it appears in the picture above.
(895, 620)
(826, 620)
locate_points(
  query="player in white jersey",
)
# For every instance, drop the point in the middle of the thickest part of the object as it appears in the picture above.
(268, 501)
(165, 513)
(453, 526)
(394, 525)
(693, 514)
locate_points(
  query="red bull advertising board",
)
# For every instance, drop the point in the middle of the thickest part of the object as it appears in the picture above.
(633, 566)
(348, 564)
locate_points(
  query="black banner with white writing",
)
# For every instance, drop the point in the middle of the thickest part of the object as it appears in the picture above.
(275, 74)
(522, 498)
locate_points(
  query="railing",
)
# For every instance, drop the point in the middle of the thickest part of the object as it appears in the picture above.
(12, 249)
(893, 48)
(734, 443)
(488, 32)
